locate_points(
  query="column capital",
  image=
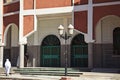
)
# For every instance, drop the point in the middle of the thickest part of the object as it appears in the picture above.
(23, 41)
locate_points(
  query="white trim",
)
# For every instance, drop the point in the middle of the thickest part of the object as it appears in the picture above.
(73, 13)
(80, 8)
(89, 37)
(11, 13)
(106, 4)
(80, 32)
(27, 35)
(11, 2)
(1, 20)
(21, 22)
(35, 21)
(28, 12)
(64, 9)
(35, 17)
(6, 31)
(49, 11)
(56, 10)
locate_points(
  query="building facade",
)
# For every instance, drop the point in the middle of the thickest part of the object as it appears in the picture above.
(29, 33)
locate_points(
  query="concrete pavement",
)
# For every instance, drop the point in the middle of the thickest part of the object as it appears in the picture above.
(85, 76)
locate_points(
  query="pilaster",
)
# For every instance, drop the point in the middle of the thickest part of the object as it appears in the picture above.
(90, 55)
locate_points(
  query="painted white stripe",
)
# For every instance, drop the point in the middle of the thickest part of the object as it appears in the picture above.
(11, 13)
(15, 1)
(49, 11)
(1, 20)
(67, 9)
(89, 37)
(56, 10)
(73, 13)
(21, 22)
(106, 4)
(80, 8)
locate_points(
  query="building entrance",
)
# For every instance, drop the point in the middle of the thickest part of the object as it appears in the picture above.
(79, 52)
(50, 52)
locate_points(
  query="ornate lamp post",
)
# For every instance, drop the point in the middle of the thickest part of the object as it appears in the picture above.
(65, 35)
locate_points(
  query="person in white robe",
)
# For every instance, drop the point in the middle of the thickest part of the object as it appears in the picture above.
(7, 67)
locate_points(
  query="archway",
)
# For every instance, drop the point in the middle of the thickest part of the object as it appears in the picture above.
(79, 52)
(50, 51)
(107, 34)
(11, 49)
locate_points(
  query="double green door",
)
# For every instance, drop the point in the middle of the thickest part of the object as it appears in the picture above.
(50, 56)
(79, 56)
(79, 52)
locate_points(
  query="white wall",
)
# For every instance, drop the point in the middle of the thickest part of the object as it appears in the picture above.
(14, 36)
(48, 25)
(105, 27)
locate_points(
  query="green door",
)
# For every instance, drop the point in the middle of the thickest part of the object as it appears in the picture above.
(116, 41)
(79, 52)
(50, 52)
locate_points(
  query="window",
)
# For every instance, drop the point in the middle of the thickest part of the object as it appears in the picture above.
(116, 41)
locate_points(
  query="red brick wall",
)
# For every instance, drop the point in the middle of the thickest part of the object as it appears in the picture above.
(102, 1)
(80, 21)
(10, 19)
(28, 4)
(100, 12)
(80, 2)
(11, 7)
(52, 3)
(28, 24)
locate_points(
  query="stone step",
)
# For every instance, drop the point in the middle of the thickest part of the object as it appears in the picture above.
(2, 70)
(49, 71)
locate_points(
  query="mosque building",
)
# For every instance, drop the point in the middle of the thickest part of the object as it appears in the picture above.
(29, 34)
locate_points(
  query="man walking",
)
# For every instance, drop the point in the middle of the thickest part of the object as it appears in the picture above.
(7, 67)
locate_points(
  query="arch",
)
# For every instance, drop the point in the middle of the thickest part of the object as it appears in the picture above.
(112, 21)
(11, 43)
(104, 42)
(50, 52)
(79, 52)
(50, 41)
(14, 26)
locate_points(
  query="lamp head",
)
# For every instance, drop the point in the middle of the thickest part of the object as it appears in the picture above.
(70, 29)
(61, 29)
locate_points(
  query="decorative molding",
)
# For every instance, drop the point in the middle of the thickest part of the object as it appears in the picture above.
(55, 10)
(11, 13)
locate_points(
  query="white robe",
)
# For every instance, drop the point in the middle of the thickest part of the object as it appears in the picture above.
(7, 66)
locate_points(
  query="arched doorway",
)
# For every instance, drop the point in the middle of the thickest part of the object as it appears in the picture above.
(50, 52)
(116, 41)
(106, 48)
(79, 52)
(11, 49)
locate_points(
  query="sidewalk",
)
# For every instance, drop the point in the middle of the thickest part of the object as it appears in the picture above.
(85, 76)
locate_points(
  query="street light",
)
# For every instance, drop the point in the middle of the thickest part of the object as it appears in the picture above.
(63, 34)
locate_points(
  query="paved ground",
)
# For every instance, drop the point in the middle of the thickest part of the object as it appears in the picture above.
(85, 76)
